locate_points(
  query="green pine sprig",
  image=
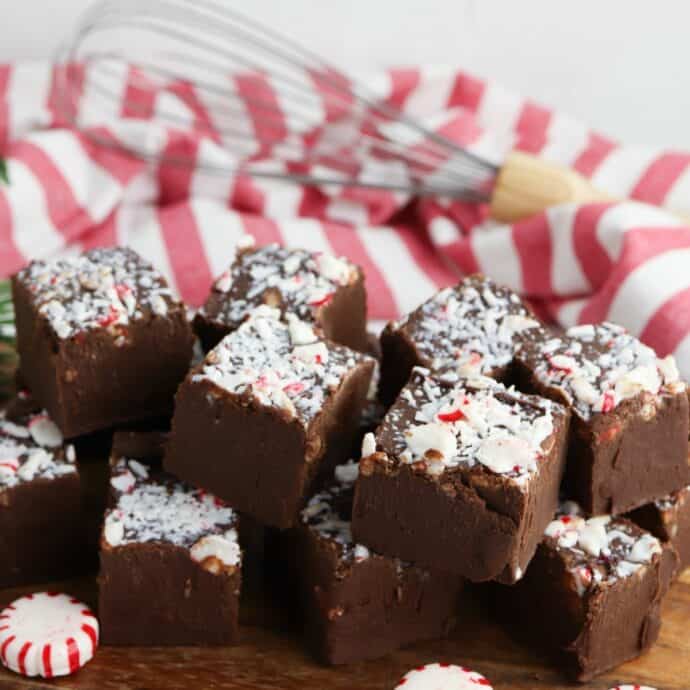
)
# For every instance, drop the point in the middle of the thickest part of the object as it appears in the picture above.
(8, 357)
(4, 173)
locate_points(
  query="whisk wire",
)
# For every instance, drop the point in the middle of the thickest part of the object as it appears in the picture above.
(306, 114)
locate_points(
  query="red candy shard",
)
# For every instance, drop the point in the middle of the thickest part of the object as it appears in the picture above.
(453, 416)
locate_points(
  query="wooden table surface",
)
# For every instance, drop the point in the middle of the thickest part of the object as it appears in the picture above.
(271, 656)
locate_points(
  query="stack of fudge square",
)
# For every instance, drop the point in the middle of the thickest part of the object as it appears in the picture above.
(471, 444)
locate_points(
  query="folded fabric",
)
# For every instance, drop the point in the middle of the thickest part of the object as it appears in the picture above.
(626, 262)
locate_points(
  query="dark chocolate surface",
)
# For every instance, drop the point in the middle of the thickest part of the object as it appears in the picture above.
(592, 592)
(461, 478)
(318, 288)
(101, 340)
(668, 518)
(630, 414)
(170, 557)
(596, 367)
(43, 524)
(102, 289)
(358, 604)
(462, 331)
(273, 406)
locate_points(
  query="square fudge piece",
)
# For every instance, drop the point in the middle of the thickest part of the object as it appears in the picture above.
(271, 407)
(629, 433)
(462, 331)
(101, 339)
(319, 288)
(668, 519)
(461, 478)
(358, 604)
(42, 523)
(170, 558)
(592, 592)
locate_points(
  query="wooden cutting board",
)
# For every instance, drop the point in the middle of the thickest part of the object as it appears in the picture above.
(270, 655)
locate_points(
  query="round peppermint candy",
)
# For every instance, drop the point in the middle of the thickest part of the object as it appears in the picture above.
(442, 677)
(47, 634)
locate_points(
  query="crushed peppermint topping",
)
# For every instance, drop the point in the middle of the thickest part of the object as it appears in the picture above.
(600, 549)
(469, 329)
(156, 507)
(674, 500)
(329, 513)
(474, 423)
(295, 280)
(102, 289)
(278, 364)
(33, 449)
(596, 367)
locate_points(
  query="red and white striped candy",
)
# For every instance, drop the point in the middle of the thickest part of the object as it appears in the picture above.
(442, 677)
(47, 634)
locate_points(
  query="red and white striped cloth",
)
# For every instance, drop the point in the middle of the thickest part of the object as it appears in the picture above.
(628, 262)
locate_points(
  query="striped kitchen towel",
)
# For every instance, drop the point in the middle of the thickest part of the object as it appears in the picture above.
(628, 262)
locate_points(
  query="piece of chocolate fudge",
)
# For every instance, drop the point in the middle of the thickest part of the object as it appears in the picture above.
(668, 519)
(101, 339)
(592, 592)
(462, 331)
(462, 478)
(271, 407)
(358, 604)
(170, 558)
(319, 288)
(42, 530)
(629, 432)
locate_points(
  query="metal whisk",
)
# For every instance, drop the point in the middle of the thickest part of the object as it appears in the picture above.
(196, 66)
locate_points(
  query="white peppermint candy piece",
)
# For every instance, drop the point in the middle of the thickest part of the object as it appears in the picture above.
(368, 444)
(123, 482)
(334, 269)
(45, 432)
(113, 530)
(361, 553)
(642, 378)
(14, 429)
(501, 455)
(47, 634)
(432, 436)
(224, 548)
(37, 460)
(643, 550)
(516, 323)
(442, 677)
(668, 368)
(301, 333)
(223, 282)
(316, 353)
(246, 241)
(593, 538)
(584, 390)
(347, 474)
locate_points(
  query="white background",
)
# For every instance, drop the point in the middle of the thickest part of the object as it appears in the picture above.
(622, 65)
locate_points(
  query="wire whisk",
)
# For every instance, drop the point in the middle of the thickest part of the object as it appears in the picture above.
(257, 103)
(201, 67)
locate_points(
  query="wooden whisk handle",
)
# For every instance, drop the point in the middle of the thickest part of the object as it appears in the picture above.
(527, 185)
